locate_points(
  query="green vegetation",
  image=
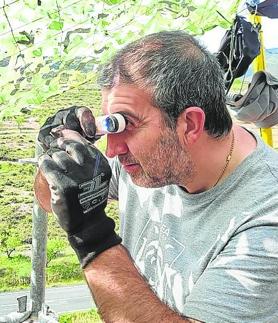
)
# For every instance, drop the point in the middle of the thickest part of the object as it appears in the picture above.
(15, 271)
(55, 248)
(61, 44)
(81, 317)
(86, 95)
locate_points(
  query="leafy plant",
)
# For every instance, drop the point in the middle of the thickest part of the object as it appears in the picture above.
(19, 119)
(9, 239)
(55, 248)
(59, 45)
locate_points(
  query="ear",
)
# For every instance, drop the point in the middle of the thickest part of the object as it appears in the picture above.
(190, 125)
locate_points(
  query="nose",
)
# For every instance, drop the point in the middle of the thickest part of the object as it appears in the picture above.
(115, 145)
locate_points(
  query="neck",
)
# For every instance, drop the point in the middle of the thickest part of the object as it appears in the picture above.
(215, 159)
(211, 166)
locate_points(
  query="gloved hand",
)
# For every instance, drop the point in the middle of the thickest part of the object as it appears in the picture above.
(78, 176)
(76, 118)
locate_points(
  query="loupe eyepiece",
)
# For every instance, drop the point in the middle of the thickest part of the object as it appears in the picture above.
(112, 123)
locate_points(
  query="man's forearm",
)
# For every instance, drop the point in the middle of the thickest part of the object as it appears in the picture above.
(120, 292)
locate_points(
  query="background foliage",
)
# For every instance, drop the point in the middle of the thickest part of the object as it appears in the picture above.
(46, 49)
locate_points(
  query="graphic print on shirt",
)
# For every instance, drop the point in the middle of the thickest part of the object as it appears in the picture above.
(157, 251)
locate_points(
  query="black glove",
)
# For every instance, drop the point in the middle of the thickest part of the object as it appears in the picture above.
(75, 118)
(78, 176)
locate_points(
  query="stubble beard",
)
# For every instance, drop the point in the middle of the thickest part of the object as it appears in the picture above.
(168, 163)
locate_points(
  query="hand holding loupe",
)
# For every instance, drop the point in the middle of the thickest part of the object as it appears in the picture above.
(107, 124)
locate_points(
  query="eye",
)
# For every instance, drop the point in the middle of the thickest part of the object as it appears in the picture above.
(129, 123)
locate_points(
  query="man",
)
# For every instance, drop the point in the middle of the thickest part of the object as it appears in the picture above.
(197, 195)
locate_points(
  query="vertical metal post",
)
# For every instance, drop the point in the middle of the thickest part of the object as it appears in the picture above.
(39, 241)
(259, 64)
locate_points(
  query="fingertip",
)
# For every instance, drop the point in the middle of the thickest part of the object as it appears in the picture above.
(87, 121)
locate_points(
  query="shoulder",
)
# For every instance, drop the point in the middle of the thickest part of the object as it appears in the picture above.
(263, 162)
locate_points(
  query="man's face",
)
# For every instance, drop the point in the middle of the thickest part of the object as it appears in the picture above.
(149, 151)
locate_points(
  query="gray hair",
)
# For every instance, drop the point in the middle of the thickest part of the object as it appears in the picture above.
(177, 72)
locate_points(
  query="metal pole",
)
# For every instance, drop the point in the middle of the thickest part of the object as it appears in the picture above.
(259, 64)
(39, 241)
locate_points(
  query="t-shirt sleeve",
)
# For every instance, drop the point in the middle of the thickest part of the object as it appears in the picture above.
(241, 283)
(114, 183)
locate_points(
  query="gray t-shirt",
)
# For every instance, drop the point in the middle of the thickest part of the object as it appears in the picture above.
(212, 256)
